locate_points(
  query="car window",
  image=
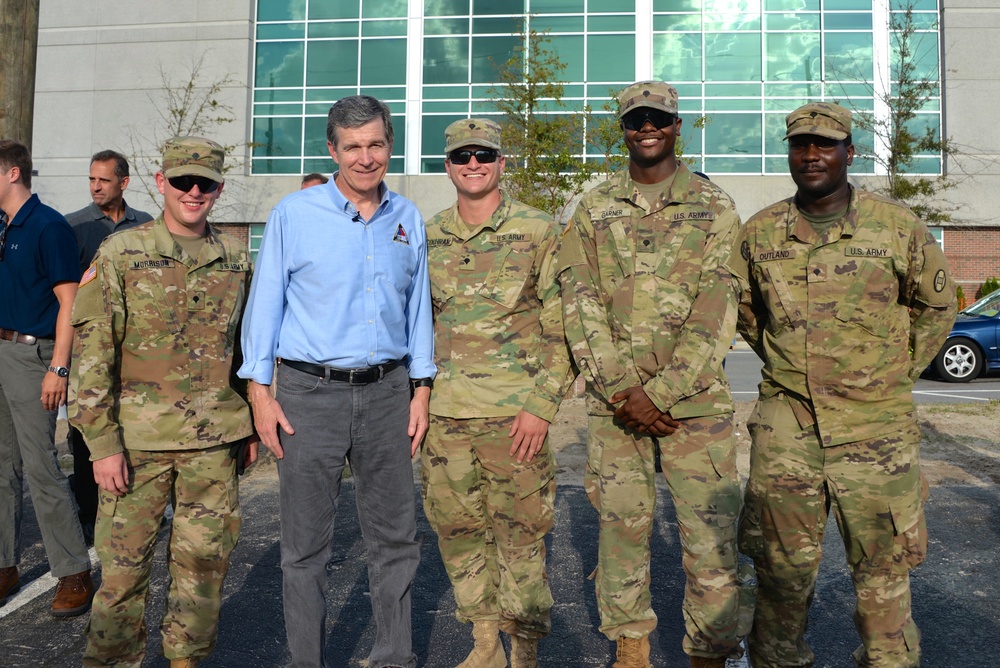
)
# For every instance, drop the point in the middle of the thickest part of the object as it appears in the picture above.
(988, 306)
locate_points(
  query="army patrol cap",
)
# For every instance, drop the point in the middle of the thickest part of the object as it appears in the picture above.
(655, 94)
(472, 132)
(196, 156)
(825, 119)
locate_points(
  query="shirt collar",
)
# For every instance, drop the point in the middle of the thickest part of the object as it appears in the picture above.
(346, 206)
(24, 211)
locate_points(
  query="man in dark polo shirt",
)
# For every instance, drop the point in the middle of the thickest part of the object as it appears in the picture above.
(39, 273)
(109, 176)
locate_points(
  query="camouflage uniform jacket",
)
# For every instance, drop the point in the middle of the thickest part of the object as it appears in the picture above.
(157, 344)
(498, 331)
(647, 300)
(834, 316)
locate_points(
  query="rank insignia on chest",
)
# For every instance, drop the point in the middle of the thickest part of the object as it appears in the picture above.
(400, 235)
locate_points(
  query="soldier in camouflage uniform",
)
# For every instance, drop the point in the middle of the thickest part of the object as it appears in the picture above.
(846, 298)
(156, 397)
(649, 314)
(503, 368)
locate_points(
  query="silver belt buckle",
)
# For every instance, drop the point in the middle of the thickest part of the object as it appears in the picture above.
(350, 377)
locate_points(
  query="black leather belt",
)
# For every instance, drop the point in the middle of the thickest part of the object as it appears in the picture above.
(362, 376)
(18, 337)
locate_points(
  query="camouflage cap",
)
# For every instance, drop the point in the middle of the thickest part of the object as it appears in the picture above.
(825, 119)
(193, 155)
(656, 94)
(472, 132)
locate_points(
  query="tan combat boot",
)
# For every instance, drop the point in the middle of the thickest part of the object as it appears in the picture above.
(705, 662)
(487, 652)
(632, 653)
(523, 652)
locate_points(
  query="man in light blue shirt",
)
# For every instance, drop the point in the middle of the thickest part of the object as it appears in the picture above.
(341, 298)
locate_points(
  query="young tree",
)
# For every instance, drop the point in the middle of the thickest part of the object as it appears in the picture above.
(543, 139)
(899, 135)
(194, 105)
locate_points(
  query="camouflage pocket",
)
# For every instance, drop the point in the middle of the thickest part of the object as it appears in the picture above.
(750, 535)
(868, 300)
(910, 538)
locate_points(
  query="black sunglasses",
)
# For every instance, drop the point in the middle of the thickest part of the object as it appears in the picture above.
(634, 120)
(188, 181)
(484, 156)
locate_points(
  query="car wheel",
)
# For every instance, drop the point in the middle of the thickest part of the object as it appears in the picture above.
(959, 361)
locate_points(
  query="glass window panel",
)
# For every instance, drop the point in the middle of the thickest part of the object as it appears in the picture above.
(556, 6)
(916, 5)
(774, 132)
(611, 6)
(329, 95)
(600, 93)
(677, 57)
(279, 64)
(730, 21)
(849, 4)
(383, 61)
(334, 29)
(570, 50)
(504, 25)
(383, 9)
(693, 137)
(481, 91)
(432, 166)
(573, 91)
(611, 23)
(792, 56)
(277, 137)
(445, 92)
(277, 109)
(663, 22)
(264, 95)
(314, 108)
(862, 165)
(730, 104)
(483, 107)
(924, 55)
(398, 140)
(791, 5)
(281, 31)
(920, 20)
(677, 6)
(383, 28)
(557, 24)
(446, 60)
(432, 132)
(732, 165)
(445, 7)
(851, 90)
(341, 9)
(800, 21)
(864, 140)
(489, 50)
(397, 165)
(732, 56)
(848, 21)
(792, 90)
(732, 90)
(611, 58)
(322, 165)
(778, 166)
(445, 107)
(734, 133)
(394, 96)
(849, 56)
(333, 63)
(272, 166)
(315, 137)
(446, 26)
(488, 7)
(687, 90)
(281, 10)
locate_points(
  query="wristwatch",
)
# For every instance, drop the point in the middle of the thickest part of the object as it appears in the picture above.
(60, 371)
(421, 382)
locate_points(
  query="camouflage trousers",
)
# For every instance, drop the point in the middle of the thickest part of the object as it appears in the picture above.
(699, 463)
(876, 491)
(491, 515)
(205, 528)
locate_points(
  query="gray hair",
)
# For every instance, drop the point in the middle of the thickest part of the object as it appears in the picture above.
(121, 162)
(355, 111)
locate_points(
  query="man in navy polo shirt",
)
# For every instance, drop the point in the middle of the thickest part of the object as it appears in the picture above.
(39, 272)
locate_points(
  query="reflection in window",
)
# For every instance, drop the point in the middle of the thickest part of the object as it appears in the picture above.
(732, 57)
(792, 56)
(279, 64)
(677, 57)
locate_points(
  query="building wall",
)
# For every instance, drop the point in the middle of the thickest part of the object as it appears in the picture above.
(99, 81)
(973, 256)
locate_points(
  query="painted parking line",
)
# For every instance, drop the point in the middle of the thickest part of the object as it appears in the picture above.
(949, 395)
(37, 588)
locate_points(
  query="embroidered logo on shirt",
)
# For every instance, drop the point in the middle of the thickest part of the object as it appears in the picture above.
(940, 280)
(400, 235)
(91, 274)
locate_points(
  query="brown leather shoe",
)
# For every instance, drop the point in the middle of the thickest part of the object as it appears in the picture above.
(187, 662)
(73, 595)
(708, 662)
(10, 582)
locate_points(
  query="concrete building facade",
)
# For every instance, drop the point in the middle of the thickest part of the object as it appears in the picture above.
(103, 66)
